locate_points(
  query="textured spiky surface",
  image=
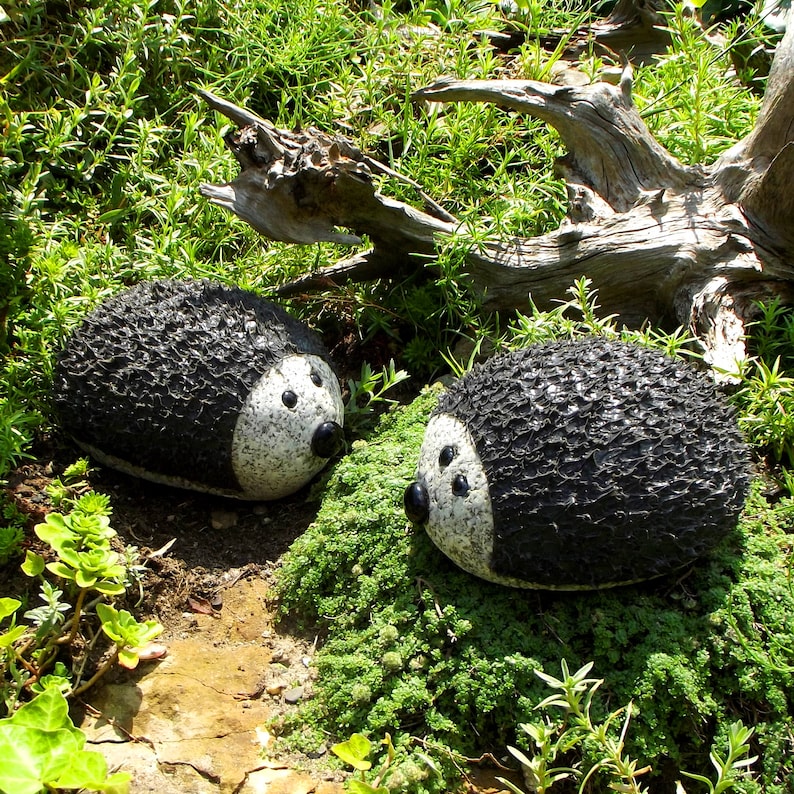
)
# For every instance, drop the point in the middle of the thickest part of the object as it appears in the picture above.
(607, 462)
(157, 375)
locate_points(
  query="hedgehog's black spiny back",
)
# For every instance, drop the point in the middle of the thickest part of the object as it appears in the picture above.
(599, 443)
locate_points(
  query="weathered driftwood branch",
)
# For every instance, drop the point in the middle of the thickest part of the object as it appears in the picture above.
(635, 27)
(661, 241)
(298, 187)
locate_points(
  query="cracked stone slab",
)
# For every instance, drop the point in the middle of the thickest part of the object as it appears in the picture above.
(151, 776)
(189, 721)
(189, 711)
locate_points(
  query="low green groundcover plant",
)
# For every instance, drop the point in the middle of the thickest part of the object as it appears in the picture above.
(568, 733)
(446, 664)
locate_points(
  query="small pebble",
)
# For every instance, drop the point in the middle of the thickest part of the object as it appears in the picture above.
(293, 695)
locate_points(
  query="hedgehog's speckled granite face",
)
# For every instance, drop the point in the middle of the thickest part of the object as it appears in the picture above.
(453, 496)
(201, 386)
(579, 465)
(276, 435)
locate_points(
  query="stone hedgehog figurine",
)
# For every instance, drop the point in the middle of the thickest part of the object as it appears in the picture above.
(579, 465)
(202, 386)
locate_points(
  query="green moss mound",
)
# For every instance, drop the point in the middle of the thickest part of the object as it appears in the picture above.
(445, 663)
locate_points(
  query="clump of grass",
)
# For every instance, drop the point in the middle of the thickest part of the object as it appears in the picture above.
(765, 396)
(690, 97)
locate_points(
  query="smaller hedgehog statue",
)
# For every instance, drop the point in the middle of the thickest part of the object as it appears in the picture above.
(579, 465)
(201, 386)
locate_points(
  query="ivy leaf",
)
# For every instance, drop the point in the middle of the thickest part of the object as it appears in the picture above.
(20, 771)
(117, 783)
(86, 770)
(41, 749)
(354, 752)
(36, 743)
(8, 606)
(48, 712)
(11, 636)
(34, 563)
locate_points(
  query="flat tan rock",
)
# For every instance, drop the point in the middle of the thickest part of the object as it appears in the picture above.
(285, 781)
(193, 721)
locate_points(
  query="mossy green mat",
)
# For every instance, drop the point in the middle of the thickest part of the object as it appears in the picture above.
(415, 647)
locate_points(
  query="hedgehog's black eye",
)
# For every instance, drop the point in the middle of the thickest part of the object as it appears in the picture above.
(460, 485)
(289, 398)
(316, 379)
(446, 457)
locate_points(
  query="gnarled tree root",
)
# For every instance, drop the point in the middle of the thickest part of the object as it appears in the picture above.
(661, 241)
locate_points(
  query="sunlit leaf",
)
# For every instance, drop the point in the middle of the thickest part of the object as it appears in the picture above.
(354, 752)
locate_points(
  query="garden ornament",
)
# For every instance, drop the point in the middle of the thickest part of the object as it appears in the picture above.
(579, 465)
(202, 386)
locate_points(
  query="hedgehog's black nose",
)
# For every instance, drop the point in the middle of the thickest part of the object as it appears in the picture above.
(327, 439)
(417, 503)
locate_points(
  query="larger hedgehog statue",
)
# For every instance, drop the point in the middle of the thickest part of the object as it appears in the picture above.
(579, 465)
(198, 385)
